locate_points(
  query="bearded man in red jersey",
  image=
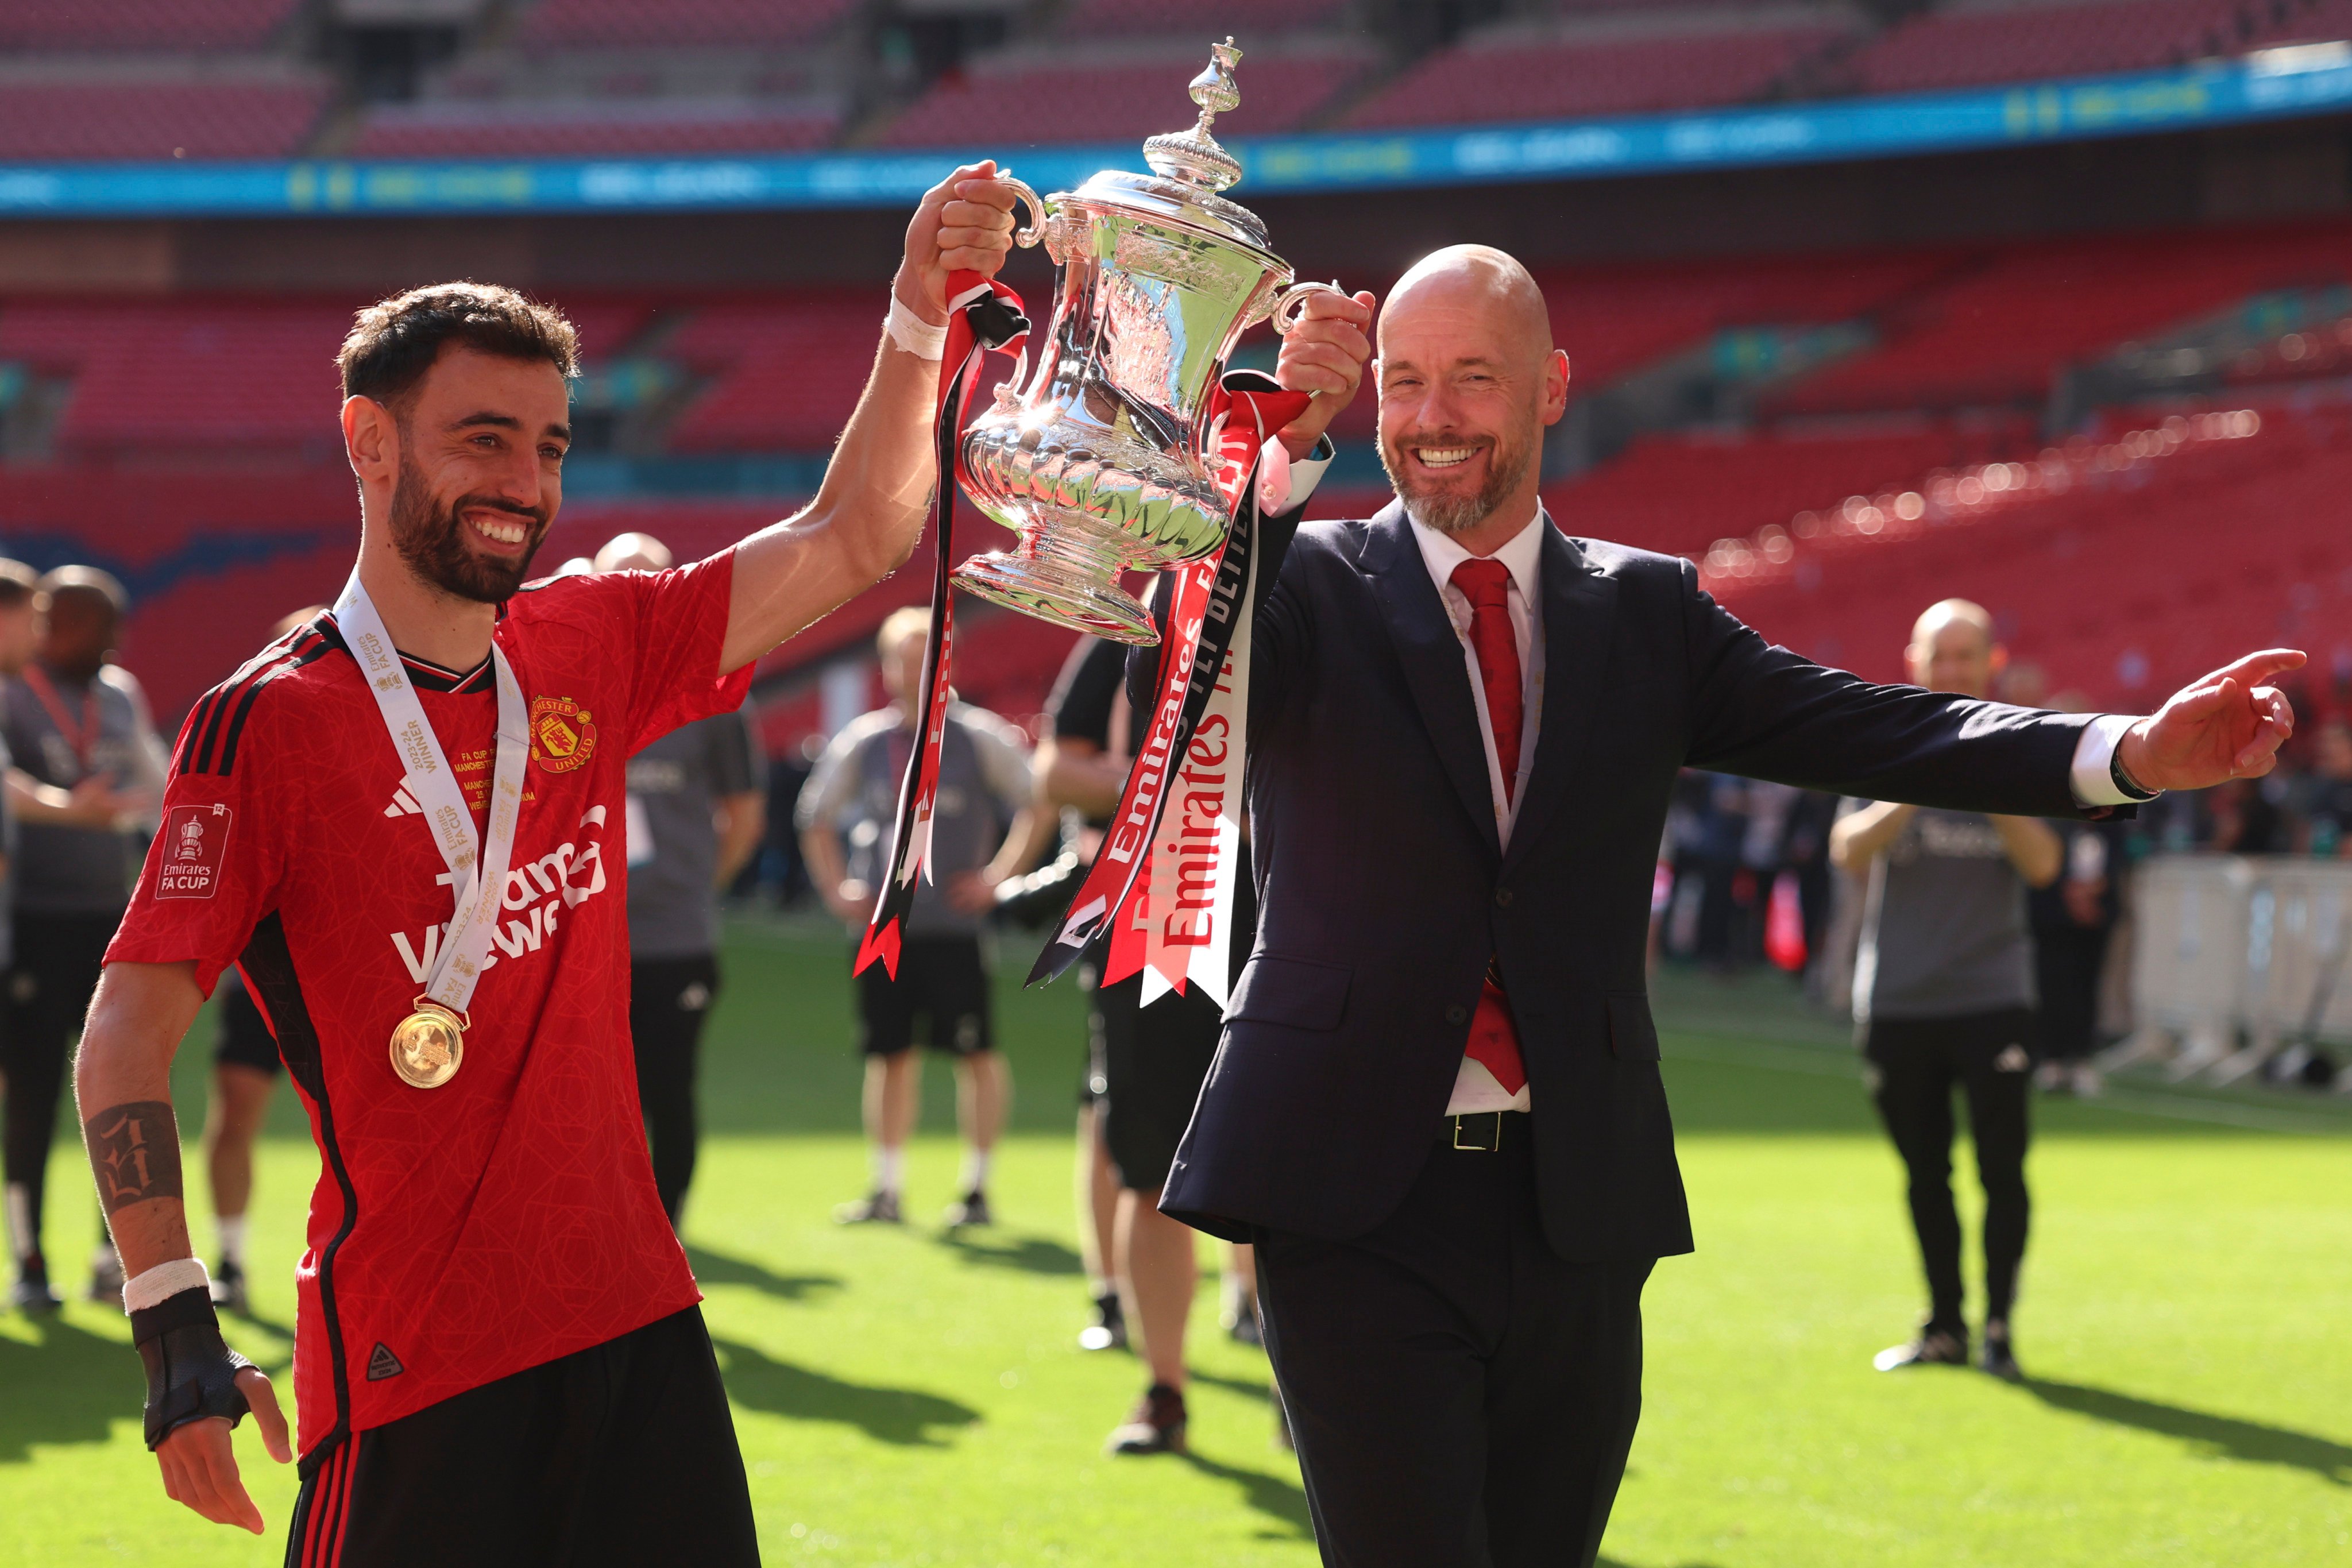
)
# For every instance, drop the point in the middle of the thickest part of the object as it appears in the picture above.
(402, 823)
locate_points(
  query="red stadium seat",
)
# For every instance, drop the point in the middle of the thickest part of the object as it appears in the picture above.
(1021, 101)
(1512, 74)
(147, 26)
(625, 23)
(571, 130)
(43, 122)
(1955, 46)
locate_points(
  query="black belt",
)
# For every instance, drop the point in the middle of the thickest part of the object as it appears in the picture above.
(1482, 1130)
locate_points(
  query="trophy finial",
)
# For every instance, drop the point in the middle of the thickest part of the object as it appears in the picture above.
(1194, 156)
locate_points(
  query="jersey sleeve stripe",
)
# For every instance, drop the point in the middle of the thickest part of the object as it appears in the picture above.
(252, 693)
(267, 964)
(209, 742)
(203, 726)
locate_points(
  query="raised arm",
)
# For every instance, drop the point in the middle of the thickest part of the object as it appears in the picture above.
(877, 490)
(195, 1387)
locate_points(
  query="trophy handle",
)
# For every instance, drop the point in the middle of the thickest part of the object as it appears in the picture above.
(1030, 233)
(1293, 300)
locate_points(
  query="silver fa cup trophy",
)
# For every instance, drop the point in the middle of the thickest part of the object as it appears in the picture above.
(1099, 463)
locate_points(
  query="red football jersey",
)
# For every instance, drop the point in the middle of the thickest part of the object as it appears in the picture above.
(508, 1218)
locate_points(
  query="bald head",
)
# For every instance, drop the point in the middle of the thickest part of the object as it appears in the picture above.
(1468, 379)
(632, 553)
(1473, 283)
(1953, 649)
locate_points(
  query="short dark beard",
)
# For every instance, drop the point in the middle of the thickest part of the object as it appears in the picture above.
(431, 539)
(1507, 465)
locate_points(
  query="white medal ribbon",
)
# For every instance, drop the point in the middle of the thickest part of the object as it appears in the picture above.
(478, 873)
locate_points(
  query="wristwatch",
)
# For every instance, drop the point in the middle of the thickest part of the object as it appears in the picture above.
(2131, 787)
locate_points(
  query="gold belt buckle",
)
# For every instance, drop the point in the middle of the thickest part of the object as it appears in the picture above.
(1479, 1148)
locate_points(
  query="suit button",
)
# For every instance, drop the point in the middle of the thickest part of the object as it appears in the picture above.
(1457, 1014)
(1503, 897)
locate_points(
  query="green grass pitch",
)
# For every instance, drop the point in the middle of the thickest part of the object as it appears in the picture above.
(908, 1397)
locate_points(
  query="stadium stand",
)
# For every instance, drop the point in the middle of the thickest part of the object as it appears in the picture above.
(1679, 493)
(677, 24)
(1024, 97)
(444, 129)
(144, 25)
(1247, 20)
(1993, 335)
(1976, 41)
(2077, 554)
(141, 120)
(1618, 64)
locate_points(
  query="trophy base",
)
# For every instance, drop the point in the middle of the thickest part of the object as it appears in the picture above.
(1049, 591)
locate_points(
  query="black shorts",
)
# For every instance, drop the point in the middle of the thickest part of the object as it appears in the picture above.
(1151, 1063)
(941, 981)
(623, 1454)
(245, 1039)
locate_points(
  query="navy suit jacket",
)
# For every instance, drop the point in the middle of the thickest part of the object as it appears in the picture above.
(1383, 889)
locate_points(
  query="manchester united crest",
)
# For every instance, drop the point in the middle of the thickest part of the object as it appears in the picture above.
(563, 735)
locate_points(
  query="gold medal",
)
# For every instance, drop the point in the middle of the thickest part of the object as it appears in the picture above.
(428, 1046)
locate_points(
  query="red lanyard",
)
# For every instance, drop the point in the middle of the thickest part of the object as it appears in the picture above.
(82, 738)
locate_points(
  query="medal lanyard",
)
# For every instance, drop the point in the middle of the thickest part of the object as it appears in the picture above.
(477, 874)
(82, 738)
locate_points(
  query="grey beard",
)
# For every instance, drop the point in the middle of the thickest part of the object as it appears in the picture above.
(1459, 514)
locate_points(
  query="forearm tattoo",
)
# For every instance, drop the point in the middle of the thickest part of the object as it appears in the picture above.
(135, 1151)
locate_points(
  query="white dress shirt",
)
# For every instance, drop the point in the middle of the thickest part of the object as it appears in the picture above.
(1475, 1088)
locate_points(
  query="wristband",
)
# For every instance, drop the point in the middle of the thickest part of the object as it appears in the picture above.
(912, 334)
(155, 1286)
(191, 1374)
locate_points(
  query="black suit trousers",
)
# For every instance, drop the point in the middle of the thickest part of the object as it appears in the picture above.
(1460, 1394)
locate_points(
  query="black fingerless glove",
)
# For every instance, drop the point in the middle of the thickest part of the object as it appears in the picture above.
(191, 1374)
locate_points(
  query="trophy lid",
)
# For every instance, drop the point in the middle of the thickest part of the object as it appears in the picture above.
(1194, 155)
(1189, 167)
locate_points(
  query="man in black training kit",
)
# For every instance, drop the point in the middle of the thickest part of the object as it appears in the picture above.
(74, 720)
(1943, 996)
(698, 807)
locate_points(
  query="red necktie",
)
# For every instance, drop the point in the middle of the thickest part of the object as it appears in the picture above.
(1494, 1037)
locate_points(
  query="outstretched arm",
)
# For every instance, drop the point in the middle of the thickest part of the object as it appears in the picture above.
(2228, 725)
(123, 1081)
(877, 490)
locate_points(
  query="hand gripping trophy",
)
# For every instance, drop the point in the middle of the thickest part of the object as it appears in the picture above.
(1103, 464)
(1126, 451)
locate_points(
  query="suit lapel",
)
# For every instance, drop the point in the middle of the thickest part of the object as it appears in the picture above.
(1432, 656)
(1579, 608)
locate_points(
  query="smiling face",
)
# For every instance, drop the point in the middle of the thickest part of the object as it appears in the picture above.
(1468, 379)
(481, 439)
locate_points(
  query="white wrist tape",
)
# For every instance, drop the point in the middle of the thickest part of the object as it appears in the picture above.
(914, 334)
(163, 1282)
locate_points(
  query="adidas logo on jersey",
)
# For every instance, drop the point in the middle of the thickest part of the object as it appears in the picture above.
(382, 1363)
(403, 803)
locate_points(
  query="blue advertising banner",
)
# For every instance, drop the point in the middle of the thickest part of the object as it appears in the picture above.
(2305, 79)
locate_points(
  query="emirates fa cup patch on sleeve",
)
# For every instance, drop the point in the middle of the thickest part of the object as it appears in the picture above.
(195, 843)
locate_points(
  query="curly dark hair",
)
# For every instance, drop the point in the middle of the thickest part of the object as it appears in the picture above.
(394, 341)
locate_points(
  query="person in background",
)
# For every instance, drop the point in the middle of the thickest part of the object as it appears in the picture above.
(2073, 919)
(78, 726)
(1146, 1069)
(697, 808)
(1943, 996)
(245, 1068)
(2327, 811)
(983, 831)
(1081, 765)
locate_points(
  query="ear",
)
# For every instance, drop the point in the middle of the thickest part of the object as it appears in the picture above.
(1999, 658)
(1554, 403)
(370, 439)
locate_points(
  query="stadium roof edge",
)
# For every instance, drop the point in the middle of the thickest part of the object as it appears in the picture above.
(2283, 83)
